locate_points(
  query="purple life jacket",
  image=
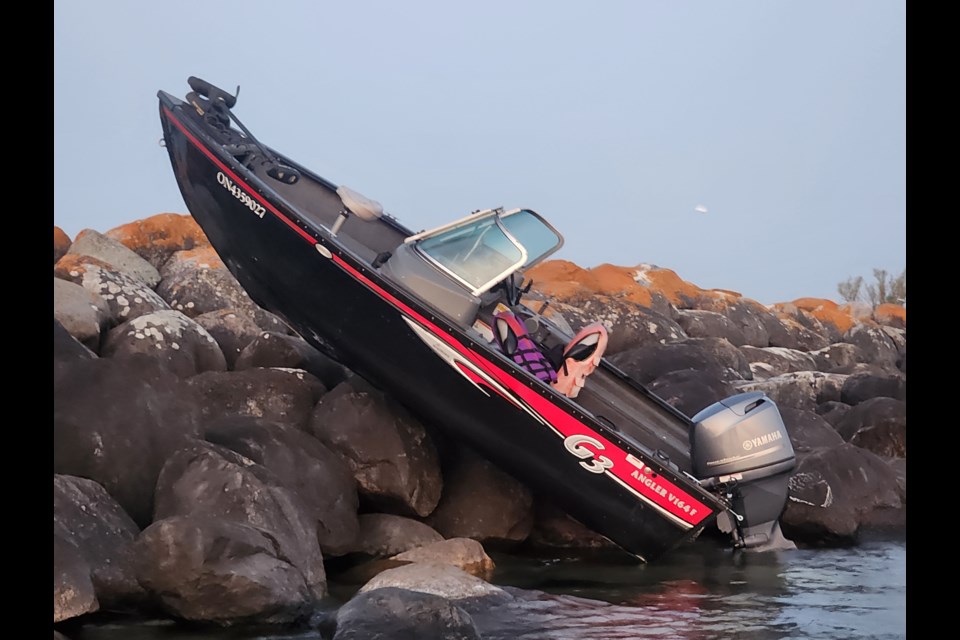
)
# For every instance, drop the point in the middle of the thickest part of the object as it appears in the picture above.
(512, 338)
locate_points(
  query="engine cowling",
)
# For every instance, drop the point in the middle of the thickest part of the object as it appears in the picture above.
(741, 448)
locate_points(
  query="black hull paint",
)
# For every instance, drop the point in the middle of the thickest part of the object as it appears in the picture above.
(344, 308)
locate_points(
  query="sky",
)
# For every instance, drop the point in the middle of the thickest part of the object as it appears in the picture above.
(748, 145)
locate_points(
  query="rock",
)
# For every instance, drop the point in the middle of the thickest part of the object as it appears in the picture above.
(439, 579)
(861, 387)
(779, 359)
(757, 324)
(554, 529)
(463, 553)
(392, 457)
(61, 243)
(651, 361)
(879, 425)
(800, 390)
(82, 313)
(277, 395)
(710, 324)
(832, 491)
(837, 357)
(899, 466)
(384, 534)
(629, 325)
(126, 296)
(808, 431)
(169, 338)
(832, 411)
(315, 474)
(212, 481)
(803, 337)
(726, 355)
(232, 330)
(90, 243)
(891, 315)
(85, 515)
(691, 390)
(565, 282)
(66, 348)
(213, 570)
(73, 593)
(482, 502)
(402, 614)
(158, 237)
(876, 345)
(275, 349)
(836, 320)
(116, 421)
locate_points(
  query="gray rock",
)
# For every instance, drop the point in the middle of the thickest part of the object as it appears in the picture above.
(651, 361)
(90, 243)
(879, 425)
(275, 349)
(209, 480)
(116, 421)
(754, 321)
(838, 357)
(861, 387)
(833, 491)
(629, 325)
(698, 323)
(169, 338)
(439, 579)
(873, 341)
(126, 296)
(82, 313)
(277, 395)
(832, 411)
(463, 553)
(809, 431)
(691, 390)
(391, 455)
(85, 515)
(66, 348)
(726, 355)
(402, 614)
(554, 529)
(318, 476)
(482, 502)
(800, 390)
(780, 360)
(384, 534)
(232, 330)
(73, 593)
(213, 570)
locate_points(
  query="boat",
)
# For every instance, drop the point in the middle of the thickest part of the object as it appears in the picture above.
(438, 320)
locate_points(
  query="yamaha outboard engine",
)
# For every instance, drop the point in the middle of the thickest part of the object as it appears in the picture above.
(740, 447)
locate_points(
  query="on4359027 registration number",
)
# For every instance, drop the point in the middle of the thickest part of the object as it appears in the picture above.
(241, 195)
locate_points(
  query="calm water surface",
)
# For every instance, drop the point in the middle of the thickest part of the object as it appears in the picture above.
(699, 593)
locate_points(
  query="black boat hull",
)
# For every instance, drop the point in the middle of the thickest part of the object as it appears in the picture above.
(342, 306)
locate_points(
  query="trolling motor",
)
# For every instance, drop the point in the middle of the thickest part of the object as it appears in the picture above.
(214, 104)
(741, 449)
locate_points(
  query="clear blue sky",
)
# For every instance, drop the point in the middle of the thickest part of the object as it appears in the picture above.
(786, 120)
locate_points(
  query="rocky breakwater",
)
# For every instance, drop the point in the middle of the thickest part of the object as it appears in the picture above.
(212, 467)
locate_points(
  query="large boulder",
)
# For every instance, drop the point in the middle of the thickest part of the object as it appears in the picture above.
(276, 349)
(691, 390)
(754, 321)
(383, 535)
(778, 360)
(209, 480)
(833, 491)
(278, 395)
(861, 387)
(126, 296)
(116, 422)
(808, 431)
(698, 323)
(876, 345)
(85, 515)
(439, 579)
(838, 357)
(727, 356)
(169, 338)
(90, 243)
(232, 330)
(66, 348)
(554, 529)
(650, 361)
(73, 592)
(158, 237)
(391, 455)
(803, 337)
(833, 411)
(482, 502)
(213, 570)
(81, 312)
(463, 553)
(61, 243)
(318, 476)
(800, 390)
(402, 614)
(891, 315)
(629, 325)
(879, 424)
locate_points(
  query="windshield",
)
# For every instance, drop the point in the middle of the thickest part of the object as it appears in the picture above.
(481, 250)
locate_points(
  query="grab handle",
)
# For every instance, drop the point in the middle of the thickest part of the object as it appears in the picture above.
(212, 92)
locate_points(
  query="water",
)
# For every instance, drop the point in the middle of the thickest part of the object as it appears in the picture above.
(699, 593)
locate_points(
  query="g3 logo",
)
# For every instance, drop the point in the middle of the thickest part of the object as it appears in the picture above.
(598, 464)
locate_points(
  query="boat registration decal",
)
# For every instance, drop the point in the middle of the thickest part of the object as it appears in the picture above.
(241, 195)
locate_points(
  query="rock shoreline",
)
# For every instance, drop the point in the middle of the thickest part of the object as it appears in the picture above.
(212, 467)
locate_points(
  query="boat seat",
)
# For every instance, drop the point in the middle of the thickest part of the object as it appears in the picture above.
(580, 358)
(359, 205)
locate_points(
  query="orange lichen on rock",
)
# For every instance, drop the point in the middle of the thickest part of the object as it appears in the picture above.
(824, 310)
(674, 288)
(566, 281)
(72, 266)
(559, 279)
(204, 257)
(61, 243)
(891, 314)
(157, 237)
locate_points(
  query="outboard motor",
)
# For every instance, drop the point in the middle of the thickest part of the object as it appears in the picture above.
(741, 448)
